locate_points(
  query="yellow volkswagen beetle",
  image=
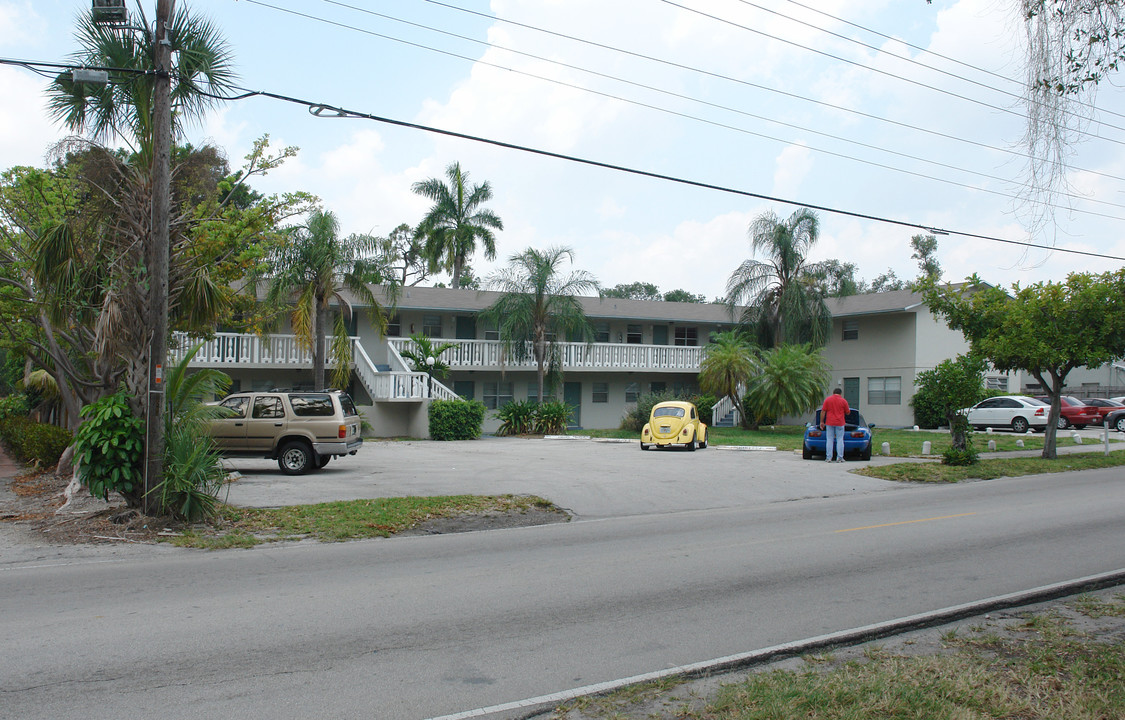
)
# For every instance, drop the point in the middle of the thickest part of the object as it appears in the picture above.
(674, 423)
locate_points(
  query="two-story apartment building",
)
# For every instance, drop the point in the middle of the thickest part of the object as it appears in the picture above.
(879, 344)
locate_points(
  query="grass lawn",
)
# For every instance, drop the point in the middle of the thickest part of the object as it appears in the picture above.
(346, 520)
(904, 443)
(1061, 663)
(993, 468)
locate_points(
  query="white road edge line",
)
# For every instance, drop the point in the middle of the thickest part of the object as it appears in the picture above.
(867, 632)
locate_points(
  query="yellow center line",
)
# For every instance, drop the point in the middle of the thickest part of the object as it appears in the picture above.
(906, 522)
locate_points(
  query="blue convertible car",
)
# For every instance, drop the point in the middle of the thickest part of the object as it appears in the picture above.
(857, 437)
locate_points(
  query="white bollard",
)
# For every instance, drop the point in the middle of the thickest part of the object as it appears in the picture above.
(1077, 438)
(988, 430)
(991, 446)
(926, 447)
(1019, 443)
(915, 428)
(886, 448)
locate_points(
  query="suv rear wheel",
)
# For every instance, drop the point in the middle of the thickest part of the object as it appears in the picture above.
(295, 458)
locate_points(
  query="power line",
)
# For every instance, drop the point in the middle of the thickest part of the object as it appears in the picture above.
(881, 72)
(747, 83)
(676, 113)
(331, 111)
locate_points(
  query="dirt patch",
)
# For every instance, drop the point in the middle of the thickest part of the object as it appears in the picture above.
(488, 521)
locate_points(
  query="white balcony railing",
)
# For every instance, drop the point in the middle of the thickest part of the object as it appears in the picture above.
(490, 354)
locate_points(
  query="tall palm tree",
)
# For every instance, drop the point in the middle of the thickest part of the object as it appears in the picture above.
(539, 306)
(315, 267)
(728, 363)
(201, 68)
(781, 294)
(456, 221)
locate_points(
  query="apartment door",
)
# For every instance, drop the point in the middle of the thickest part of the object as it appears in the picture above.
(466, 327)
(659, 334)
(851, 392)
(572, 396)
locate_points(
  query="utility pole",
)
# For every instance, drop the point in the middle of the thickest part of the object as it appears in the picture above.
(157, 254)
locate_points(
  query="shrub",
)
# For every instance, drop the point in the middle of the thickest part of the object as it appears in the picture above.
(14, 405)
(952, 385)
(43, 444)
(551, 417)
(109, 449)
(636, 417)
(517, 417)
(953, 456)
(456, 419)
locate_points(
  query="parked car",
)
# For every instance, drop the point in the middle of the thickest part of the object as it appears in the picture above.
(857, 437)
(1017, 412)
(301, 430)
(674, 423)
(1116, 420)
(1073, 411)
(1104, 406)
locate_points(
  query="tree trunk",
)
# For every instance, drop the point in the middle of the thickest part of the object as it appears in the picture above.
(1054, 393)
(458, 267)
(320, 319)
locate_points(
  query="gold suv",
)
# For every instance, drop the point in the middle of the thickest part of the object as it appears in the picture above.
(301, 430)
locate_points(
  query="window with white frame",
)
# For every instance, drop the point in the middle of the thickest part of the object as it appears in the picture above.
(533, 392)
(851, 330)
(394, 326)
(497, 394)
(687, 336)
(601, 332)
(492, 331)
(601, 392)
(431, 326)
(632, 392)
(633, 334)
(884, 391)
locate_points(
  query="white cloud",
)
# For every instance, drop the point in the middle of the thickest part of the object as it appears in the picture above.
(791, 167)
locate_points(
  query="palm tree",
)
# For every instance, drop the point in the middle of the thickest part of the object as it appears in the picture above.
(456, 221)
(790, 381)
(781, 295)
(201, 69)
(728, 363)
(539, 306)
(316, 266)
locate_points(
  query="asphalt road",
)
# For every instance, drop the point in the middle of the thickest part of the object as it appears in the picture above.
(425, 626)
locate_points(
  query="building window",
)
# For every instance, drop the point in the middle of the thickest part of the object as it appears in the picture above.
(394, 326)
(657, 387)
(601, 332)
(492, 331)
(497, 394)
(687, 336)
(633, 334)
(601, 392)
(682, 389)
(431, 326)
(884, 391)
(851, 330)
(996, 383)
(632, 392)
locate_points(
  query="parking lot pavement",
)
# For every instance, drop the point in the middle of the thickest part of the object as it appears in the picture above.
(589, 478)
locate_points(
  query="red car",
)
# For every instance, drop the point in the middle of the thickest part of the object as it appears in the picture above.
(1104, 406)
(1074, 412)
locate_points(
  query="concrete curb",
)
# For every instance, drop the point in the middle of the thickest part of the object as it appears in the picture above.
(532, 707)
(626, 441)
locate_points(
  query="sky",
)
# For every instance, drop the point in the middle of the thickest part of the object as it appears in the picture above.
(719, 92)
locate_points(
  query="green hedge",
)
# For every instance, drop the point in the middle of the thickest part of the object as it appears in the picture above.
(456, 419)
(35, 442)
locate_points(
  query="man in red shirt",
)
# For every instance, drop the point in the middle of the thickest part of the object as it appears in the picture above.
(833, 414)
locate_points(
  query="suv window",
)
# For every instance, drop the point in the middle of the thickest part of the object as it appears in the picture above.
(347, 405)
(318, 405)
(268, 407)
(235, 407)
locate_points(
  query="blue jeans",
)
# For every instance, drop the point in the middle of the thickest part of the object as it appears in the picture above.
(833, 434)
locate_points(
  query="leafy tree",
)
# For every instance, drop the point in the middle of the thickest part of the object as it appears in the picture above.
(1047, 329)
(683, 296)
(632, 291)
(424, 348)
(403, 252)
(315, 267)
(942, 392)
(836, 279)
(780, 295)
(925, 251)
(886, 282)
(456, 221)
(790, 381)
(539, 306)
(729, 361)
